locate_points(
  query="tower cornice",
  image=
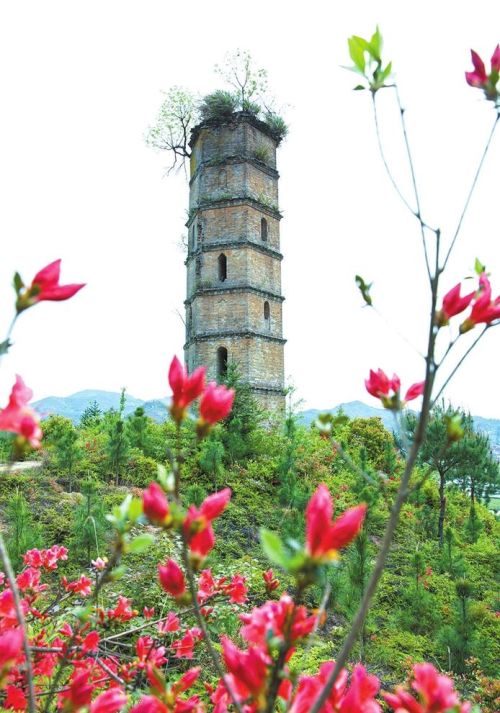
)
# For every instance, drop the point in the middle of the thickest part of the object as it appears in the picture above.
(235, 159)
(224, 244)
(236, 289)
(242, 333)
(236, 201)
(237, 117)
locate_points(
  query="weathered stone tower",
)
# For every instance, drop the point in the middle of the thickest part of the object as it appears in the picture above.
(234, 301)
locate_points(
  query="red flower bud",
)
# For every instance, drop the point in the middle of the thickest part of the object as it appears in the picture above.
(325, 537)
(111, 701)
(172, 578)
(415, 391)
(185, 389)
(214, 505)
(155, 504)
(18, 417)
(45, 287)
(216, 403)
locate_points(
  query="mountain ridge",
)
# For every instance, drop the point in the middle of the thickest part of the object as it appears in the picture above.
(73, 406)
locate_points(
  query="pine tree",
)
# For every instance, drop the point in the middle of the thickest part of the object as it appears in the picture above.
(118, 444)
(357, 570)
(91, 416)
(211, 459)
(456, 453)
(90, 522)
(137, 429)
(459, 638)
(22, 532)
(244, 419)
(473, 526)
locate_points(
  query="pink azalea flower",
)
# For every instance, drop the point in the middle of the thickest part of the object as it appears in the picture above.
(185, 388)
(325, 537)
(172, 578)
(18, 417)
(453, 304)
(111, 701)
(216, 403)
(11, 643)
(435, 694)
(155, 504)
(481, 79)
(388, 390)
(45, 287)
(484, 309)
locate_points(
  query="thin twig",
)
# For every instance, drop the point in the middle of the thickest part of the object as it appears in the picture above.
(352, 465)
(319, 616)
(203, 626)
(9, 572)
(458, 365)
(401, 496)
(471, 191)
(400, 334)
(384, 160)
(110, 673)
(9, 332)
(177, 468)
(418, 213)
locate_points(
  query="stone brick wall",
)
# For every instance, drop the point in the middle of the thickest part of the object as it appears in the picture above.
(233, 222)
(244, 266)
(260, 360)
(230, 312)
(234, 264)
(233, 180)
(236, 138)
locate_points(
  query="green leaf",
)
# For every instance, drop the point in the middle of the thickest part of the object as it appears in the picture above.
(118, 572)
(5, 346)
(297, 562)
(165, 478)
(376, 45)
(364, 288)
(364, 44)
(386, 73)
(123, 508)
(274, 547)
(134, 509)
(479, 268)
(358, 87)
(18, 283)
(356, 53)
(140, 543)
(82, 613)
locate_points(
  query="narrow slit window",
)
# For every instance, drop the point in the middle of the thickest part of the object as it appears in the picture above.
(263, 229)
(222, 260)
(221, 362)
(267, 315)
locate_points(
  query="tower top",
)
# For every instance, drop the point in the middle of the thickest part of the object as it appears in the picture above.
(232, 120)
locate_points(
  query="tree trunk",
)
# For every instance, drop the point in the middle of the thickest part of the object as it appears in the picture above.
(442, 509)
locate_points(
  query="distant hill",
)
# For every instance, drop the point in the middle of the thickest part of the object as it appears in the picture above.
(73, 407)
(357, 409)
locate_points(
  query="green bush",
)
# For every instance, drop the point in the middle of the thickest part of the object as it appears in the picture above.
(277, 125)
(219, 105)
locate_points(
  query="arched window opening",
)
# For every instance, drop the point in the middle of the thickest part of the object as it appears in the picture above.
(267, 315)
(221, 362)
(222, 260)
(263, 229)
(199, 230)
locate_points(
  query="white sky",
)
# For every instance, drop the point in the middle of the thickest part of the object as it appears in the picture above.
(81, 82)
